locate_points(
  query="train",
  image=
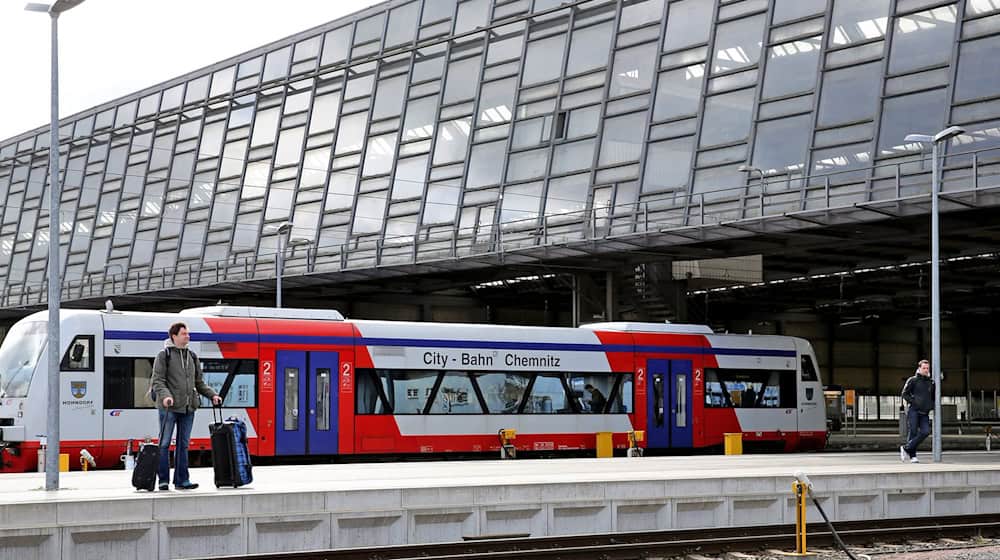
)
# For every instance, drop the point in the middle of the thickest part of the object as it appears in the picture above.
(310, 383)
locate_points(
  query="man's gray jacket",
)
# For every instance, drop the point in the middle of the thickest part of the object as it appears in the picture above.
(181, 379)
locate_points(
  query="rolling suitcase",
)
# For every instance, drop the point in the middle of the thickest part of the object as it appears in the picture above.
(230, 456)
(147, 463)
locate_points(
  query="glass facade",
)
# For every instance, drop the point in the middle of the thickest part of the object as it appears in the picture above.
(422, 129)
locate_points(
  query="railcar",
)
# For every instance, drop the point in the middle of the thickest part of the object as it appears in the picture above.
(312, 383)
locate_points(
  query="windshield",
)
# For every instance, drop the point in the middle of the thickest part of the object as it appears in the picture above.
(18, 357)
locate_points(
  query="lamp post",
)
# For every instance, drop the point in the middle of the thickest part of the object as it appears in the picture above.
(52, 421)
(283, 230)
(750, 169)
(934, 141)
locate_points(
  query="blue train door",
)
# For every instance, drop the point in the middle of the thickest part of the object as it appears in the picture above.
(307, 403)
(669, 403)
(680, 403)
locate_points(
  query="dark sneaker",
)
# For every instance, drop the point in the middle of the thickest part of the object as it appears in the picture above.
(186, 486)
(164, 486)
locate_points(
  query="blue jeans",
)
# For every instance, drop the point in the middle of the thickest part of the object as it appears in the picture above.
(918, 428)
(184, 423)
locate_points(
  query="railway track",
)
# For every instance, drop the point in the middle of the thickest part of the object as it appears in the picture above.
(641, 545)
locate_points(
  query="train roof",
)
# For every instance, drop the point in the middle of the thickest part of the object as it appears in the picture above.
(669, 328)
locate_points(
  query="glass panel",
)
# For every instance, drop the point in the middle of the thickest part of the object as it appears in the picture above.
(639, 13)
(323, 398)
(496, 102)
(680, 389)
(573, 156)
(622, 139)
(568, 194)
(737, 44)
(289, 146)
(787, 10)
(977, 75)
(976, 7)
(340, 191)
(527, 165)
(335, 45)
(727, 118)
(668, 164)
(791, 67)
(658, 399)
(370, 213)
(505, 49)
(402, 24)
(369, 28)
(324, 113)
(850, 94)
(307, 48)
(521, 202)
(276, 65)
(409, 178)
(171, 99)
(589, 48)
(436, 10)
(548, 396)
(633, 70)
(452, 140)
(855, 21)
(380, 154)
(583, 122)
(291, 422)
(688, 23)
(729, 388)
(265, 127)
(917, 38)
(425, 68)
(389, 97)
(441, 203)
(678, 92)
(350, 133)
(543, 61)
(456, 396)
(419, 121)
(472, 14)
(920, 113)
(463, 77)
(843, 158)
(502, 391)
(486, 164)
(780, 145)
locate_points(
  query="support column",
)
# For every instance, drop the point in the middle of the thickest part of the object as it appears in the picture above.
(609, 296)
(575, 295)
(876, 370)
(831, 337)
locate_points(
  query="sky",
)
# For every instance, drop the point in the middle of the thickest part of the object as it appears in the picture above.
(111, 48)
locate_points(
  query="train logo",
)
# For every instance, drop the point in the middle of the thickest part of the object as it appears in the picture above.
(78, 388)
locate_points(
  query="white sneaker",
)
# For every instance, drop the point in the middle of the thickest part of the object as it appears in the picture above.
(903, 455)
(914, 460)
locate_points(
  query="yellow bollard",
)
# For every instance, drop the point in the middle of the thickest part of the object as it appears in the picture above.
(604, 446)
(64, 462)
(734, 444)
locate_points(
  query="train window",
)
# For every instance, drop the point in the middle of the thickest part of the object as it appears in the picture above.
(808, 369)
(658, 397)
(291, 422)
(126, 382)
(548, 396)
(370, 392)
(456, 395)
(241, 377)
(502, 391)
(80, 354)
(680, 415)
(407, 392)
(322, 398)
(729, 388)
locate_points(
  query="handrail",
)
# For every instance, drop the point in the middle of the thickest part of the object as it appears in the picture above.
(659, 213)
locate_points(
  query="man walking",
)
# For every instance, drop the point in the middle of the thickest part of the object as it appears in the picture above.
(177, 381)
(918, 392)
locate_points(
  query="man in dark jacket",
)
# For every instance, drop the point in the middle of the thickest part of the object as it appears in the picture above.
(918, 392)
(177, 381)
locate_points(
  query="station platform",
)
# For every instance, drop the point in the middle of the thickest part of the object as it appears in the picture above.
(291, 508)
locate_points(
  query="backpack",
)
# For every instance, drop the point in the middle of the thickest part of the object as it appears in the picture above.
(150, 393)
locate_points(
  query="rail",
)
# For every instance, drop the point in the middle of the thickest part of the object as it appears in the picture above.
(880, 191)
(640, 544)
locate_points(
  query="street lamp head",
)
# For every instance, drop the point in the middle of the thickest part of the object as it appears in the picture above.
(56, 8)
(922, 138)
(949, 132)
(747, 168)
(297, 241)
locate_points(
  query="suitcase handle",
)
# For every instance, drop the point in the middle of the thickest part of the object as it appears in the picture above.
(217, 408)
